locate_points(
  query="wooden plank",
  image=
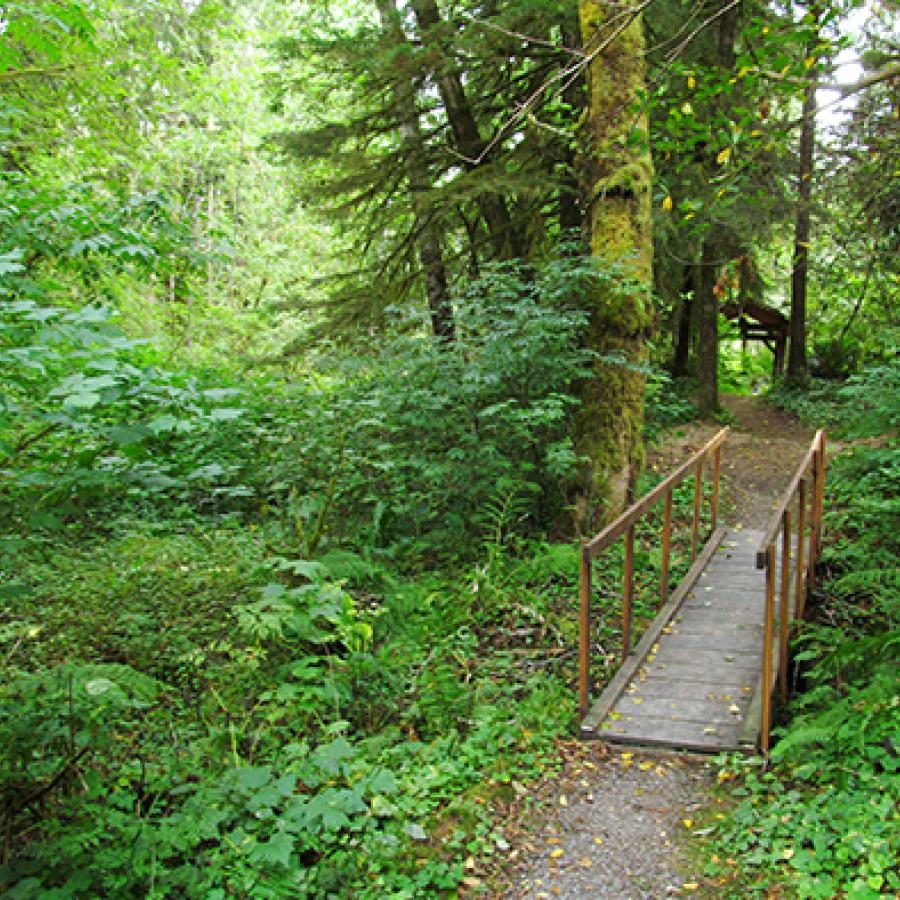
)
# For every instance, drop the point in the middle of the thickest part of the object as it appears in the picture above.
(675, 688)
(727, 641)
(680, 709)
(663, 732)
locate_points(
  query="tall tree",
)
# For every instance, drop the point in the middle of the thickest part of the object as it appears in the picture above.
(618, 187)
(797, 368)
(428, 236)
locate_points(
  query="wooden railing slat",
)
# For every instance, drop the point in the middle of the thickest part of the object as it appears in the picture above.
(617, 528)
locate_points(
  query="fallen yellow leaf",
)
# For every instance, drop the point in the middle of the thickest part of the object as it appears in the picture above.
(557, 853)
(690, 886)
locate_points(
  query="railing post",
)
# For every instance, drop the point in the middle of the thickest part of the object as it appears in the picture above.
(698, 494)
(784, 606)
(768, 629)
(666, 548)
(823, 466)
(584, 632)
(717, 468)
(800, 586)
(628, 593)
(813, 526)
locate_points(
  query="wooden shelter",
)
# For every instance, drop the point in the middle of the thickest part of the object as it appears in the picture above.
(762, 323)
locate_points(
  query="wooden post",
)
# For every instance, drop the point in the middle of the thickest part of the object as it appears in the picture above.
(813, 526)
(768, 629)
(666, 548)
(698, 495)
(785, 606)
(800, 574)
(584, 633)
(717, 468)
(629, 589)
(823, 465)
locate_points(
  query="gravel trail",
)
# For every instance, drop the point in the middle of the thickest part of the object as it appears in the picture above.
(613, 827)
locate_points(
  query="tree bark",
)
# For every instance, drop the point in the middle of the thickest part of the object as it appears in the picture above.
(618, 184)
(428, 239)
(571, 219)
(797, 365)
(685, 314)
(708, 330)
(714, 249)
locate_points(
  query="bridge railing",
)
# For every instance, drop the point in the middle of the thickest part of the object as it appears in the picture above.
(790, 566)
(624, 525)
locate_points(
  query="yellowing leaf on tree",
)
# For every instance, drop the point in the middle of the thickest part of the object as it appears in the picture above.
(692, 82)
(723, 156)
(809, 62)
(788, 852)
(667, 204)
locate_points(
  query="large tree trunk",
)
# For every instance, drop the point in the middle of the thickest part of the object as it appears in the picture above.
(685, 314)
(708, 330)
(469, 143)
(714, 246)
(428, 239)
(571, 220)
(797, 370)
(619, 176)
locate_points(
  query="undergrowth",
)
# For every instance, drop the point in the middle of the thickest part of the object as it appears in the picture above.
(823, 821)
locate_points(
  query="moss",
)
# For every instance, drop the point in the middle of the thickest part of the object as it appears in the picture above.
(610, 423)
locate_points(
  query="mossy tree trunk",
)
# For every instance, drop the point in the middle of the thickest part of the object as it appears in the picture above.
(618, 175)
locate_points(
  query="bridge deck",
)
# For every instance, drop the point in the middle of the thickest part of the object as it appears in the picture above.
(693, 681)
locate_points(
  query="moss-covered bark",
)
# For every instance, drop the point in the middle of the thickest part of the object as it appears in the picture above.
(618, 175)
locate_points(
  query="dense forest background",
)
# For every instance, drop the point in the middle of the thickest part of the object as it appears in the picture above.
(325, 329)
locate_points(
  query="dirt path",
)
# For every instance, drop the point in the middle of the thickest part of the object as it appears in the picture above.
(760, 456)
(614, 823)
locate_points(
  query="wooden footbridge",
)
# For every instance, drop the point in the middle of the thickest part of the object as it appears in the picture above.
(703, 675)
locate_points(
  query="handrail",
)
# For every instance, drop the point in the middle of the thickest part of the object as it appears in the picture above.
(800, 557)
(624, 524)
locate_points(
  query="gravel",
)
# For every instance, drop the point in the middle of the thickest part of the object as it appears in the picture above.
(612, 829)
